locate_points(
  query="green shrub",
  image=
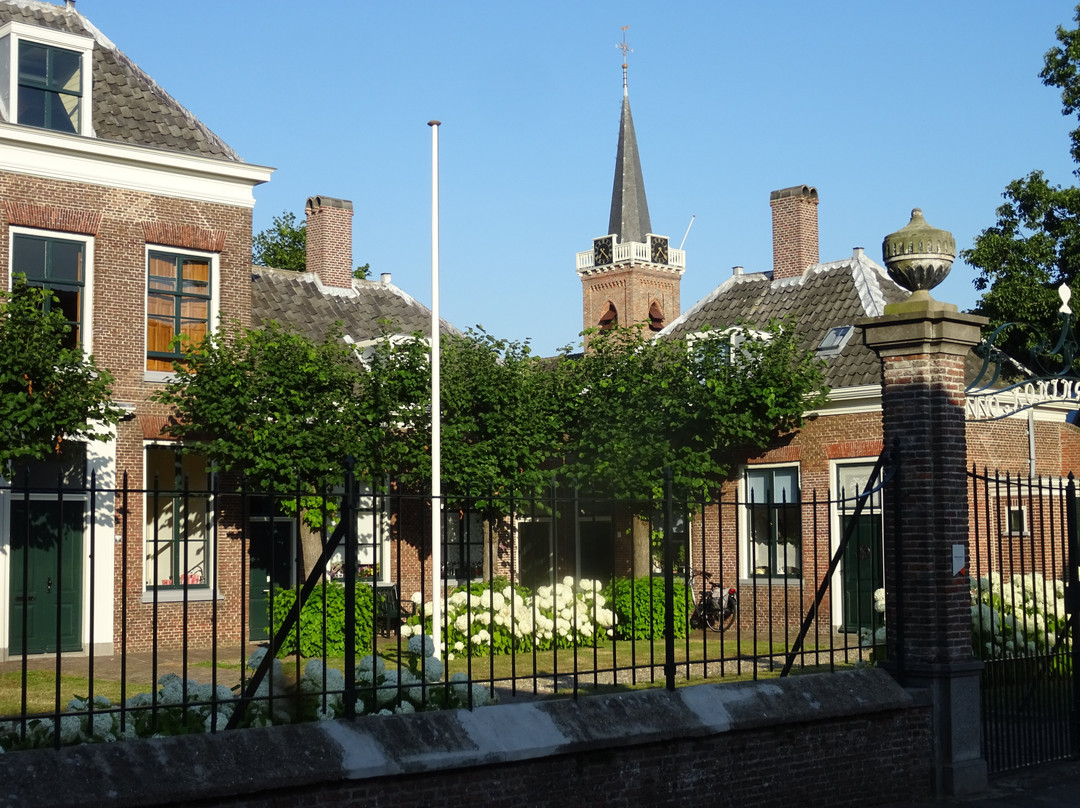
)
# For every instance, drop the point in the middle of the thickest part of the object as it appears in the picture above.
(311, 639)
(638, 604)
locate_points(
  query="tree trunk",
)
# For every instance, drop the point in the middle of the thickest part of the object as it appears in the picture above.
(642, 540)
(311, 547)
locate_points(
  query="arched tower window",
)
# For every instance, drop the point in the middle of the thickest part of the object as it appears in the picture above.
(610, 317)
(656, 316)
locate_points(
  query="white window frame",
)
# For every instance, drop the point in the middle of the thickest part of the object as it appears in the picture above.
(11, 33)
(207, 591)
(215, 299)
(747, 573)
(1025, 529)
(86, 316)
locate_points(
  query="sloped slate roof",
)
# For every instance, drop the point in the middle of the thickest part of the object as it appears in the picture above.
(128, 106)
(826, 296)
(299, 300)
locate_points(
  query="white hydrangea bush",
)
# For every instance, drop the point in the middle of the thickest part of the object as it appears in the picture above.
(497, 618)
(1021, 616)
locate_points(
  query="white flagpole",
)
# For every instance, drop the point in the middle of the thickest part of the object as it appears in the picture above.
(436, 406)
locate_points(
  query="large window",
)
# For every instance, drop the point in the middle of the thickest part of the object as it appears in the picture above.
(50, 86)
(463, 545)
(774, 522)
(178, 519)
(58, 265)
(178, 296)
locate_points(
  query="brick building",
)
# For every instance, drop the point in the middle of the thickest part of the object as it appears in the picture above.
(631, 276)
(138, 217)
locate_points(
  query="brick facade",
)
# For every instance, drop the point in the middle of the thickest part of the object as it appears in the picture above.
(635, 290)
(122, 224)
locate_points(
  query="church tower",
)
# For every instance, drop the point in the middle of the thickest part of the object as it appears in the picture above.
(631, 275)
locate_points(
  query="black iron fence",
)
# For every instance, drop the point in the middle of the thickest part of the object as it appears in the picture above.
(205, 605)
(1023, 553)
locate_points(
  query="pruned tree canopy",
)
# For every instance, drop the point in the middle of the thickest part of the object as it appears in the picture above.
(50, 391)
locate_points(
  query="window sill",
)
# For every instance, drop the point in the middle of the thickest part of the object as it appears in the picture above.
(763, 580)
(158, 376)
(177, 595)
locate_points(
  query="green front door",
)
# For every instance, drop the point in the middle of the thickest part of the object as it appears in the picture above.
(270, 548)
(863, 570)
(862, 574)
(46, 575)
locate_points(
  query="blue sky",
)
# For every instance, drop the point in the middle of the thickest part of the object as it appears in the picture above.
(883, 106)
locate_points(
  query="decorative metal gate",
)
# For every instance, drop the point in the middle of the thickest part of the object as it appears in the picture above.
(1023, 585)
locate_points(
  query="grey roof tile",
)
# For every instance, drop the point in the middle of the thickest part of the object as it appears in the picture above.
(122, 92)
(824, 297)
(367, 311)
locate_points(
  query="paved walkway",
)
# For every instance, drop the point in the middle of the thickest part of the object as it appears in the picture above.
(1052, 785)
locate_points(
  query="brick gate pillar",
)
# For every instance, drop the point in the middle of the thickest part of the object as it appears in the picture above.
(922, 344)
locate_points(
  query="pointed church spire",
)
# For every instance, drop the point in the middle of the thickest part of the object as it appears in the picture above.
(629, 209)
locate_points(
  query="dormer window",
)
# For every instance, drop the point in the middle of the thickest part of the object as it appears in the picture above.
(45, 78)
(50, 87)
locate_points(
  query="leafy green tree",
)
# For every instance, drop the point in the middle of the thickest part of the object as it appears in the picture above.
(286, 411)
(1035, 245)
(643, 405)
(283, 245)
(50, 391)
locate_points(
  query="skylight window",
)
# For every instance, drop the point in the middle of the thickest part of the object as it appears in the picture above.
(835, 340)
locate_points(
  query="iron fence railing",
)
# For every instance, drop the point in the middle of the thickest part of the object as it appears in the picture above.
(206, 605)
(1022, 545)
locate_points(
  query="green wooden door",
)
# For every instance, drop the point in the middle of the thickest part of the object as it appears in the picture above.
(270, 549)
(862, 574)
(46, 575)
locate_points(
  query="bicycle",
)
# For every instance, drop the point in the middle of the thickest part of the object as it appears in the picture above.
(716, 607)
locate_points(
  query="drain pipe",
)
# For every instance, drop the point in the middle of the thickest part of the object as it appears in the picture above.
(1031, 443)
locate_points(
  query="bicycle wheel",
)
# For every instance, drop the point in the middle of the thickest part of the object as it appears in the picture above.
(718, 619)
(714, 620)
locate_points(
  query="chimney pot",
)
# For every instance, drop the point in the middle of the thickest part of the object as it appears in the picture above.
(385, 277)
(737, 270)
(857, 252)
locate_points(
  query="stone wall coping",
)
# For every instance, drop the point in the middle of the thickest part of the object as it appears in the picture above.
(247, 762)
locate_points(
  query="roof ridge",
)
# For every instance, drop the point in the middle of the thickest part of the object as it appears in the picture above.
(868, 275)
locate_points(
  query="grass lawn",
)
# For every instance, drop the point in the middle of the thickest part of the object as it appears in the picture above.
(41, 690)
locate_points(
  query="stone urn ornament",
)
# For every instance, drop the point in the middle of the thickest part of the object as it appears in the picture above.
(919, 256)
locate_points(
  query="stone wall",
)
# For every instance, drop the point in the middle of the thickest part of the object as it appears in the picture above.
(853, 738)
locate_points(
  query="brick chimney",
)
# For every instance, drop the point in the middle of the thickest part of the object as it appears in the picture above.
(794, 230)
(329, 240)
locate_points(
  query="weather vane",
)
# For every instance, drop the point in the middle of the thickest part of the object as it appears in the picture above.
(626, 49)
